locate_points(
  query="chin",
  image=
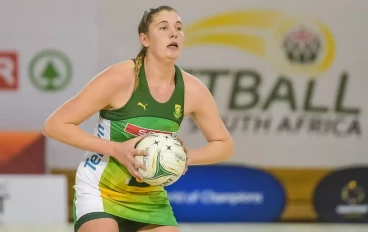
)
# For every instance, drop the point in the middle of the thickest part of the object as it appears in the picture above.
(172, 54)
(171, 57)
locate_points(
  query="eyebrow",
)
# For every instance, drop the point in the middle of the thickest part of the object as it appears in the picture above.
(165, 21)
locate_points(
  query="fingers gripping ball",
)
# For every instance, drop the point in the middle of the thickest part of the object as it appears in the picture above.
(165, 162)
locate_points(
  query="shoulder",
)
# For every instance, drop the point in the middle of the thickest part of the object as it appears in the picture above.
(196, 91)
(119, 74)
(192, 83)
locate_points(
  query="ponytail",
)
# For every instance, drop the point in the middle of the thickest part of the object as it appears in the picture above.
(138, 64)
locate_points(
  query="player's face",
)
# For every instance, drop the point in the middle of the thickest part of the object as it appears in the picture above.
(165, 35)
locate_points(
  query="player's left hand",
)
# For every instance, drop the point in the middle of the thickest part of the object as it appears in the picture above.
(186, 149)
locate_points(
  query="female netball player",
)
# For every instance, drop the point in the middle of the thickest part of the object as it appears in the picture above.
(132, 98)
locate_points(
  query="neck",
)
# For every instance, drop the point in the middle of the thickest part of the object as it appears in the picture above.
(158, 70)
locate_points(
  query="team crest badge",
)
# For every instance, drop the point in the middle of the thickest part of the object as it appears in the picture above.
(177, 112)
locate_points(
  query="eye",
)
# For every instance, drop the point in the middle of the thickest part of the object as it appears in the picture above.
(163, 28)
(179, 28)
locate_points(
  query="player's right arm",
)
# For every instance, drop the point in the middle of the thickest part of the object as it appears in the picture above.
(100, 93)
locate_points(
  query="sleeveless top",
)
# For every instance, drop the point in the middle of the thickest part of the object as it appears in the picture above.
(122, 195)
(140, 115)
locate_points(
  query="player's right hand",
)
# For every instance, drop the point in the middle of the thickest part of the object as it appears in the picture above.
(125, 153)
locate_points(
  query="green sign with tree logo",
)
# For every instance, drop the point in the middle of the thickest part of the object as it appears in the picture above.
(50, 70)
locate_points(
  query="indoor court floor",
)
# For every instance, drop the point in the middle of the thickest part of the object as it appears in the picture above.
(285, 227)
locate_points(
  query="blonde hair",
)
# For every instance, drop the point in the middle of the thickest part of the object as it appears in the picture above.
(138, 64)
(143, 28)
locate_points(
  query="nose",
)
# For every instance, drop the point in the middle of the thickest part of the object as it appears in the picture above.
(173, 34)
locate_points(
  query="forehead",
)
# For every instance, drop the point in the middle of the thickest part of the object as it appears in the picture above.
(170, 16)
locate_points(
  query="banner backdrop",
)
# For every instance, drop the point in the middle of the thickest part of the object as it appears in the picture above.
(48, 52)
(289, 79)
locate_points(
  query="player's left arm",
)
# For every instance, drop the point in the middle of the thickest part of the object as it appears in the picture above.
(204, 112)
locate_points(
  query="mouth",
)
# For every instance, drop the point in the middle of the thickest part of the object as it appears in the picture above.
(173, 45)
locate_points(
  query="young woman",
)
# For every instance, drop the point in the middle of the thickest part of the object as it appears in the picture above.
(135, 97)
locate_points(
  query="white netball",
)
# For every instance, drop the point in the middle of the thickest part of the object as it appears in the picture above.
(165, 162)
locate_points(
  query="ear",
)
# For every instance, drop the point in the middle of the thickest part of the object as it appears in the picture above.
(144, 40)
